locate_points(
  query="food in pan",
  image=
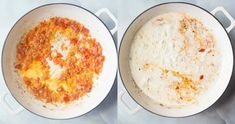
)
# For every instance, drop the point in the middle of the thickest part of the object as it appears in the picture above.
(174, 59)
(58, 60)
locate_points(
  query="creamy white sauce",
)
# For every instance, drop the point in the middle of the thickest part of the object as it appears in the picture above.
(160, 49)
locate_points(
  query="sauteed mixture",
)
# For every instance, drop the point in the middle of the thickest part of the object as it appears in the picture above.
(59, 60)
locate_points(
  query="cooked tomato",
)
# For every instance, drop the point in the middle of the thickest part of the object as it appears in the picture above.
(74, 67)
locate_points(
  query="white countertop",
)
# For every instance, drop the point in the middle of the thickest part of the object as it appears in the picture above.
(126, 10)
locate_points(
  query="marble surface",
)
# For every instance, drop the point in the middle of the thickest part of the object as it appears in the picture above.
(222, 112)
(10, 12)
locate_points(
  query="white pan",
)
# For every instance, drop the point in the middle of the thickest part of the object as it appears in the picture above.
(97, 29)
(220, 33)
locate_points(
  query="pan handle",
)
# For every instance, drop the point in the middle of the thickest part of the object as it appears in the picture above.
(111, 16)
(125, 104)
(232, 21)
(8, 106)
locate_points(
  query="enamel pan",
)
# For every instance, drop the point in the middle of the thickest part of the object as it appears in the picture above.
(224, 43)
(97, 29)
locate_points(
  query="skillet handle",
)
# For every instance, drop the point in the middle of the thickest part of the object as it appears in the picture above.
(232, 21)
(8, 106)
(111, 16)
(125, 104)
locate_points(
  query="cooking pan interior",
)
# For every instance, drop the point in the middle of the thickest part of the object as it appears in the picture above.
(101, 87)
(226, 56)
